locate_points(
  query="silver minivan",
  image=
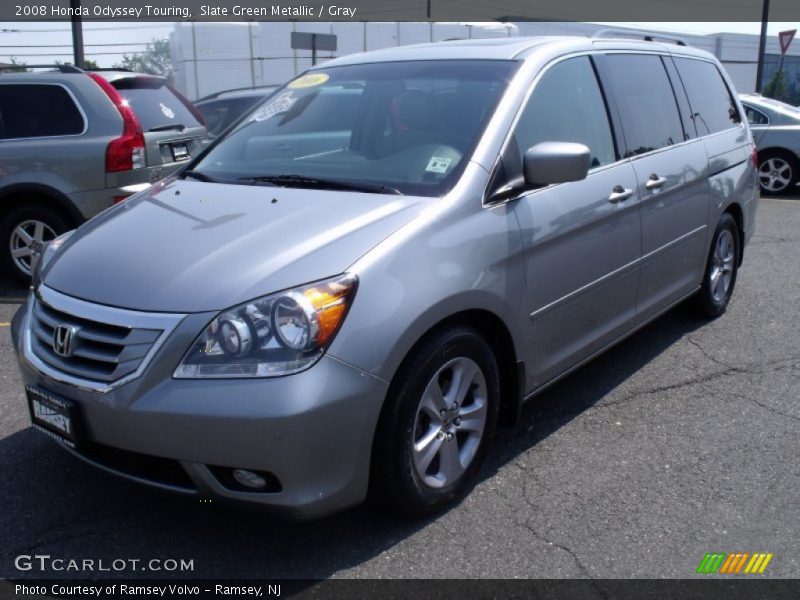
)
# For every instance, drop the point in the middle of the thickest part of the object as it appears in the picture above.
(349, 291)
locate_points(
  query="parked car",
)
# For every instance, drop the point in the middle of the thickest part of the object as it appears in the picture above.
(318, 308)
(222, 109)
(776, 129)
(73, 142)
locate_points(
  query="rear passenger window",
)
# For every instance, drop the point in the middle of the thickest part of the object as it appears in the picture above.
(649, 112)
(712, 103)
(755, 117)
(568, 106)
(38, 110)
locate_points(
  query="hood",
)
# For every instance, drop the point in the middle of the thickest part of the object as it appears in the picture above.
(192, 247)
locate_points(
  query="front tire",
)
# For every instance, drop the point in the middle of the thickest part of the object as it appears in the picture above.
(435, 428)
(722, 268)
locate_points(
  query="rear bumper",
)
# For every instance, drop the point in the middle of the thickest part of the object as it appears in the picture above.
(94, 202)
(120, 185)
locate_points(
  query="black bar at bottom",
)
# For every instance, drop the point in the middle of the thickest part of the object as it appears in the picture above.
(708, 587)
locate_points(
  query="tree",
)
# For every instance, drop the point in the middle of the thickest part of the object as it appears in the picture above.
(156, 59)
(14, 66)
(776, 86)
(88, 63)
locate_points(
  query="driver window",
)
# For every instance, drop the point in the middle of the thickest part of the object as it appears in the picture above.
(567, 106)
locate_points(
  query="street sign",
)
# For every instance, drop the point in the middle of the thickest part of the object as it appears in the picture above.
(302, 40)
(785, 38)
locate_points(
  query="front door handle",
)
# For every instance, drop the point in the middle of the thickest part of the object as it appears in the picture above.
(655, 182)
(619, 193)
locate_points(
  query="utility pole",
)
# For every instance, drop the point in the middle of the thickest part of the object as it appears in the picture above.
(762, 45)
(77, 33)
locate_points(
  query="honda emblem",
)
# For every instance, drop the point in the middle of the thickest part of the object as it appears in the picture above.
(63, 339)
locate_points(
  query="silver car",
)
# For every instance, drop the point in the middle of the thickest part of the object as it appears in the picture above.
(776, 129)
(74, 142)
(321, 308)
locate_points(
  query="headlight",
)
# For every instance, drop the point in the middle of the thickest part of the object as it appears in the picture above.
(275, 335)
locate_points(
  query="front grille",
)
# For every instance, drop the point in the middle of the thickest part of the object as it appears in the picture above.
(100, 351)
(99, 347)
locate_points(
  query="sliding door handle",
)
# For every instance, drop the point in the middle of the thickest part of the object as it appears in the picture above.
(619, 193)
(655, 182)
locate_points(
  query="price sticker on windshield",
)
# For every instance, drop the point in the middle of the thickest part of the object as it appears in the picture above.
(438, 164)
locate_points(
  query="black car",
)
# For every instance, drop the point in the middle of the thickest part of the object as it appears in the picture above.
(224, 108)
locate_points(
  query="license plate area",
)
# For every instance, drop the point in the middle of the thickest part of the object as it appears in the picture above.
(180, 152)
(56, 416)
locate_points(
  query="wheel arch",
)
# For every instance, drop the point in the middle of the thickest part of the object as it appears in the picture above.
(498, 336)
(778, 150)
(735, 210)
(15, 195)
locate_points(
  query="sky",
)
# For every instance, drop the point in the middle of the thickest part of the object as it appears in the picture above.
(106, 42)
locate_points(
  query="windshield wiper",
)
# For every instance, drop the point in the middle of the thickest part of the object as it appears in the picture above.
(169, 127)
(199, 175)
(316, 182)
(259, 181)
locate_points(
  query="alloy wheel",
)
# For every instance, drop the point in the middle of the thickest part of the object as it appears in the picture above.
(775, 174)
(450, 422)
(721, 273)
(27, 241)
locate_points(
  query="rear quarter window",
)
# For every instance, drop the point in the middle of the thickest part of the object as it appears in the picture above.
(755, 117)
(38, 110)
(712, 104)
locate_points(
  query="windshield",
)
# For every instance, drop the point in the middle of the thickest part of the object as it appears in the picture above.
(410, 126)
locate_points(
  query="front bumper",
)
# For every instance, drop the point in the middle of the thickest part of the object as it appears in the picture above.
(312, 431)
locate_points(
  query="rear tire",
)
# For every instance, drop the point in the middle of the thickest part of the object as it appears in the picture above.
(436, 424)
(778, 172)
(23, 233)
(722, 268)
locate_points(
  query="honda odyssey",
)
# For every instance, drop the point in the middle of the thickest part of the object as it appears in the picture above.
(349, 291)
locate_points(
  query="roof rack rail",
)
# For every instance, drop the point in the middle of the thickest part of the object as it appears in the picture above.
(62, 68)
(646, 36)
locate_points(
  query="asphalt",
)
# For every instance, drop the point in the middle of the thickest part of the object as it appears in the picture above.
(682, 440)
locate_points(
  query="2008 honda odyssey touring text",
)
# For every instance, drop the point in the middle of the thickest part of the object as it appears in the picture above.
(367, 274)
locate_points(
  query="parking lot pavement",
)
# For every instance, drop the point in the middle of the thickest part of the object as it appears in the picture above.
(680, 441)
(11, 290)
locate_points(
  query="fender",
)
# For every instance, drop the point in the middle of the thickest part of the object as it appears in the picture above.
(61, 199)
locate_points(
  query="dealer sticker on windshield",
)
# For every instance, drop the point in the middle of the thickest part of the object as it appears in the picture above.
(438, 164)
(279, 104)
(309, 80)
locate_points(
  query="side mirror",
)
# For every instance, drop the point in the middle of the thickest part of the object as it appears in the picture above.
(555, 162)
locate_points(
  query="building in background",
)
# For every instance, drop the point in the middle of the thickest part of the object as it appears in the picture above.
(210, 57)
